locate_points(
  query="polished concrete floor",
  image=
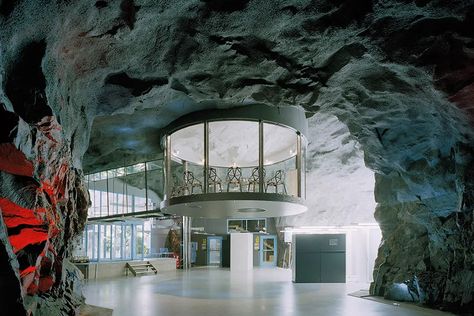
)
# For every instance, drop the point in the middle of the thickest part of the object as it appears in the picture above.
(214, 291)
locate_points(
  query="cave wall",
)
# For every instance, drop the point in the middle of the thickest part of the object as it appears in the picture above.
(89, 84)
(43, 203)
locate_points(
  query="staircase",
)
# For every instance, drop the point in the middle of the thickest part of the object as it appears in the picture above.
(140, 268)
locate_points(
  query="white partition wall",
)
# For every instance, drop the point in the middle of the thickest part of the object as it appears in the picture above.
(241, 251)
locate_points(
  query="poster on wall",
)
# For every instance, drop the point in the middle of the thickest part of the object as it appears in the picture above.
(256, 245)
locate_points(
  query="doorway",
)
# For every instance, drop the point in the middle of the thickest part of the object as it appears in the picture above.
(214, 251)
(268, 251)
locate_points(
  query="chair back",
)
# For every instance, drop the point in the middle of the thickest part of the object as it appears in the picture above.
(255, 174)
(234, 174)
(188, 177)
(212, 174)
(279, 176)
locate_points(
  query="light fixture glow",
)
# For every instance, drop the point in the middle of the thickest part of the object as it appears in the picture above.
(251, 210)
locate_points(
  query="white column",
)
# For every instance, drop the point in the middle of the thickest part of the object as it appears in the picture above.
(241, 251)
(186, 242)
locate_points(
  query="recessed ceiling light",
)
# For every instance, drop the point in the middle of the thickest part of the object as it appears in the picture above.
(251, 210)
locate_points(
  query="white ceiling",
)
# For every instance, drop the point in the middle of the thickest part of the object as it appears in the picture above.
(233, 142)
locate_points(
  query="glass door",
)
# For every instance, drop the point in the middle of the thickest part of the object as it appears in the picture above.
(268, 251)
(214, 251)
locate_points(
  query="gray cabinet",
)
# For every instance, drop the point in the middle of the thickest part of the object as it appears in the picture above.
(319, 258)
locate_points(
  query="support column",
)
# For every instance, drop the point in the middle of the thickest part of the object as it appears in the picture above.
(146, 188)
(206, 157)
(167, 172)
(298, 164)
(261, 179)
(186, 238)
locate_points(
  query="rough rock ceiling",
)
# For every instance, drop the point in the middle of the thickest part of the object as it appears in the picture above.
(135, 66)
(89, 84)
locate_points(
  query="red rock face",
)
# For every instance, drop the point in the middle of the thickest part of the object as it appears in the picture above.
(14, 161)
(38, 235)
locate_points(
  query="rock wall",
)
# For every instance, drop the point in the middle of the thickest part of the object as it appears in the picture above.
(43, 203)
(105, 76)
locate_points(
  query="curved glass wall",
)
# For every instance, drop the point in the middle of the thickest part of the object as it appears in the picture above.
(228, 156)
(186, 161)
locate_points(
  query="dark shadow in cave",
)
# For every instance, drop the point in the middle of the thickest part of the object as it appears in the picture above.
(25, 86)
(10, 294)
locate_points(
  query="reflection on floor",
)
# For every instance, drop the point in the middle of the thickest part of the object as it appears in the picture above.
(214, 291)
(89, 310)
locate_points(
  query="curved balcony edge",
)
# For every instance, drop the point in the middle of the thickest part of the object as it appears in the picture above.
(234, 205)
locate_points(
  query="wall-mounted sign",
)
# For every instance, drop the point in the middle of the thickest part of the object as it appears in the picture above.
(256, 245)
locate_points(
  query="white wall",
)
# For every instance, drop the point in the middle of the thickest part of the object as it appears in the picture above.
(362, 247)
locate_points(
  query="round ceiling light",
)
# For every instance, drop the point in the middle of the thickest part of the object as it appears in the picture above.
(251, 210)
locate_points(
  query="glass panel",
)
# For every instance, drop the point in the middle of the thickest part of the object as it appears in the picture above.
(153, 165)
(160, 230)
(233, 156)
(281, 175)
(303, 167)
(92, 240)
(155, 185)
(105, 242)
(147, 237)
(176, 179)
(236, 225)
(187, 161)
(80, 250)
(117, 241)
(214, 250)
(127, 242)
(139, 167)
(255, 225)
(98, 195)
(139, 248)
(233, 179)
(133, 190)
(268, 244)
(103, 198)
(268, 256)
(117, 192)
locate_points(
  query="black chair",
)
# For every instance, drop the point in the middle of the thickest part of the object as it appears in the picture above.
(254, 179)
(276, 180)
(214, 180)
(190, 182)
(234, 176)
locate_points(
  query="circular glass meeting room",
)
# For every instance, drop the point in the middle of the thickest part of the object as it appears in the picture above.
(240, 162)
